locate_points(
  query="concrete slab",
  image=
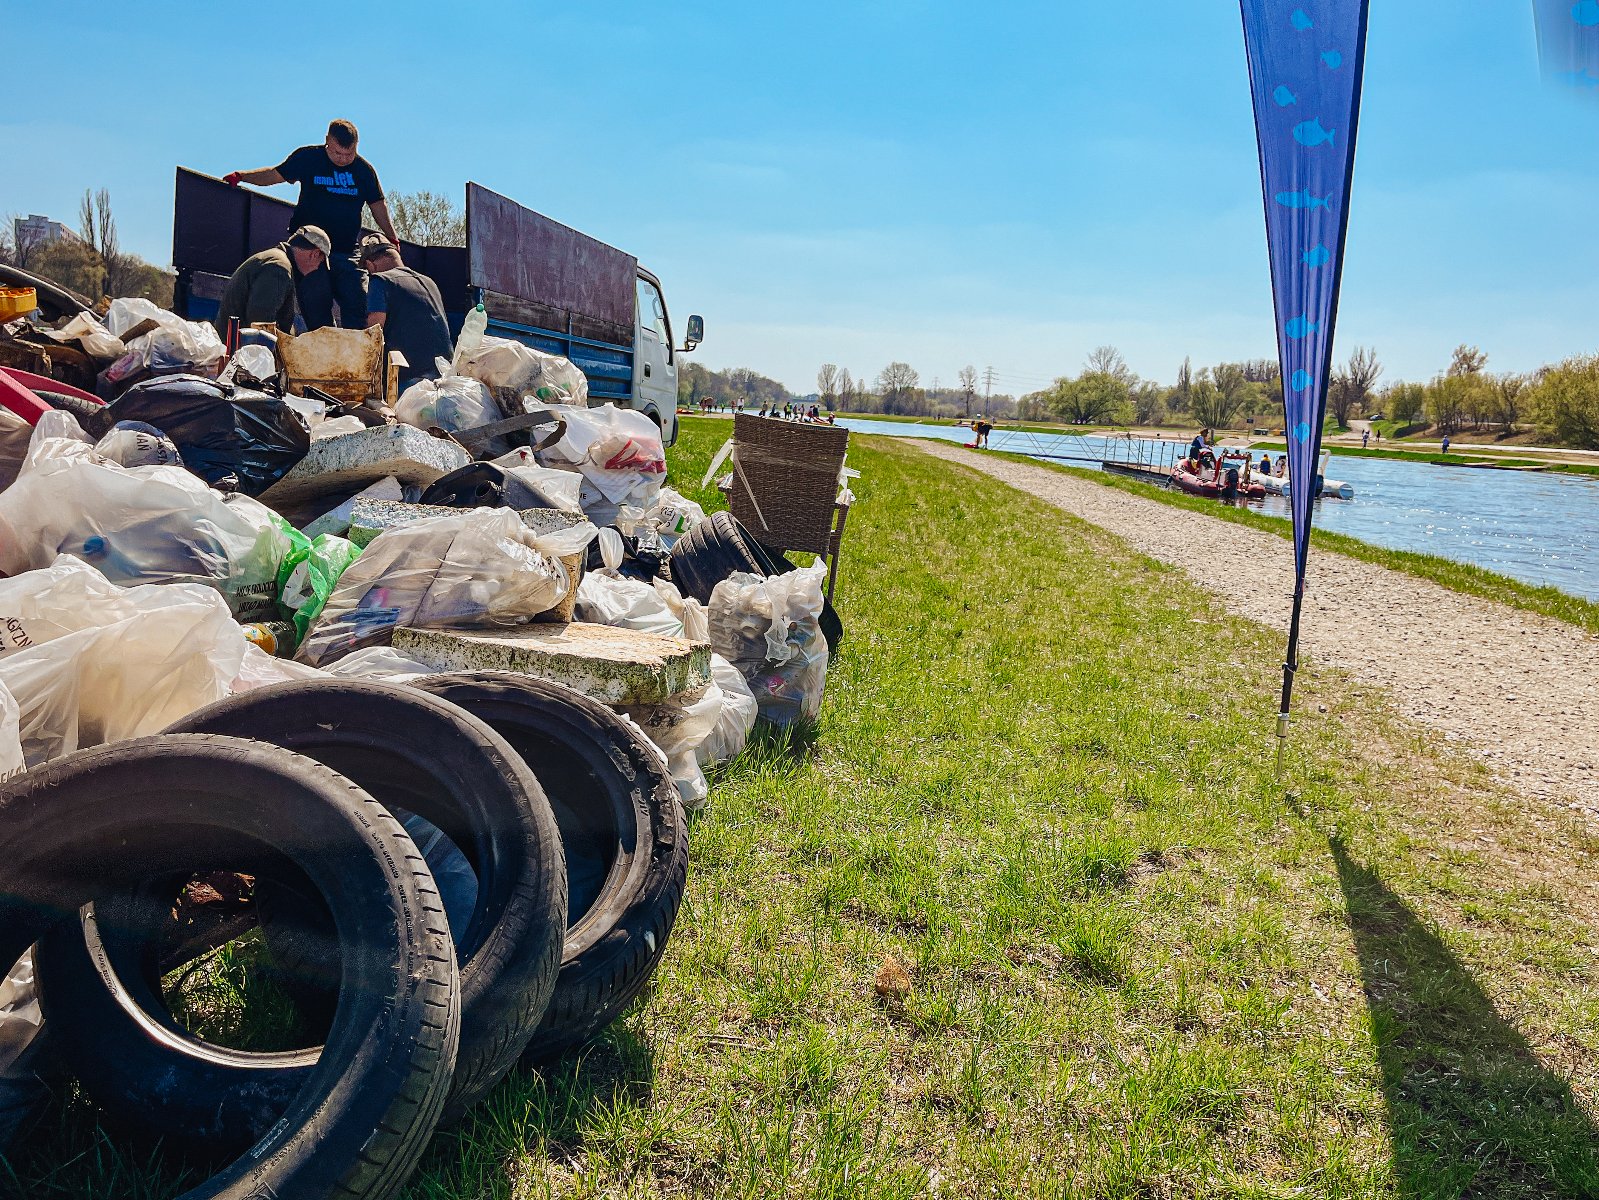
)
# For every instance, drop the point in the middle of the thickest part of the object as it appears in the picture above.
(354, 460)
(371, 516)
(615, 666)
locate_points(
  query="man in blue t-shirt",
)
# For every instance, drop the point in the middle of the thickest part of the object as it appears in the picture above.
(335, 181)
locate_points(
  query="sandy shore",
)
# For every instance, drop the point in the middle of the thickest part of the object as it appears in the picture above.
(1521, 691)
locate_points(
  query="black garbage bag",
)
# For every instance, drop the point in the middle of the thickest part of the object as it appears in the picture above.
(236, 439)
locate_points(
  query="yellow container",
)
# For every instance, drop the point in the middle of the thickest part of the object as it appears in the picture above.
(16, 301)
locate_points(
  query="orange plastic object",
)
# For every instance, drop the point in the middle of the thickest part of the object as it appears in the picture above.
(16, 301)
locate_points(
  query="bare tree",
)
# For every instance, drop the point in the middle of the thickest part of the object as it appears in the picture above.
(827, 385)
(19, 244)
(427, 218)
(898, 381)
(1107, 360)
(968, 385)
(1182, 395)
(1352, 384)
(1467, 360)
(846, 389)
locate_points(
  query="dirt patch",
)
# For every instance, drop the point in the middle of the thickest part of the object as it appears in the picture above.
(1515, 689)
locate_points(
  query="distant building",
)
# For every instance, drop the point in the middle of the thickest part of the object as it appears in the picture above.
(34, 230)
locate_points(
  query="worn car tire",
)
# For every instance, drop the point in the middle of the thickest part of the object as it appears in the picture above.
(88, 825)
(410, 751)
(718, 547)
(624, 831)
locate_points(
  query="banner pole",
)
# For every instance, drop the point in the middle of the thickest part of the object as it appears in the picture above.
(1290, 667)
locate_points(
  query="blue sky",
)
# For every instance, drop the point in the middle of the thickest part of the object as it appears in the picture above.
(1004, 184)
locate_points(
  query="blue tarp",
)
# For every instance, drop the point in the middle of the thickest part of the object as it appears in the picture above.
(1305, 63)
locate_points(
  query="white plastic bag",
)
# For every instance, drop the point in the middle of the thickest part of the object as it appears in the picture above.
(260, 669)
(258, 363)
(521, 378)
(678, 728)
(557, 488)
(125, 312)
(696, 625)
(91, 336)
(731, 733)
(379, 662)
(11, 760)
(617, 450)
(135, 444)
(673, 514)
(336, 427)
(770, 629)
(99, 665)
(137, 524)
(481, 567)
(605, 597)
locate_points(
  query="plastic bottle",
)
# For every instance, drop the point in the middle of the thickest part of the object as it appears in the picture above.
(277, 638)
(98, 552)
(472, 329)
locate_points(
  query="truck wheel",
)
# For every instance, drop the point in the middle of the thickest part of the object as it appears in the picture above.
(412, 752)
(92, 824)
(625, 835)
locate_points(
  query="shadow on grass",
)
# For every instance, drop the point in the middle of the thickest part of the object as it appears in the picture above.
(1471, 1109)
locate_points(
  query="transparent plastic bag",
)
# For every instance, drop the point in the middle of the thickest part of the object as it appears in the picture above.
(617, 450)
(482, 567)
(256, 362)
(450, 403)
(93, 338)
(605, 597)
(138, 525)
(107, 665)
(308, 574)
(731, 732)
(557, 488)
(379, 662)
(696, 624)
(770, 629)
(521, 378)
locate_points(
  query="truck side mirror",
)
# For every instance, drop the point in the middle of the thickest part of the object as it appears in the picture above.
(696, 333)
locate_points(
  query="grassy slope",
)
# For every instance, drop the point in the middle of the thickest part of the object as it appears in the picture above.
(1138, 965)
(1457, 576)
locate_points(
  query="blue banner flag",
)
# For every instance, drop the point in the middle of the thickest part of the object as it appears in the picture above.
(1568, 44)
(1305, 63)
(1306, 59)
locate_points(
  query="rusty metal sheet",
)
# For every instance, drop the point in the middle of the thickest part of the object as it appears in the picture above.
(342, 362)
(521, 253)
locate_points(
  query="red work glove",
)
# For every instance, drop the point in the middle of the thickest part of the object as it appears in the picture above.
(232, 178)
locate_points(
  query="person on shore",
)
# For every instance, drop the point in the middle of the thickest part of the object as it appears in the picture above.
(335, 181)
(1365, 437)
(407, 306)
(1446, 444)
(261, 291)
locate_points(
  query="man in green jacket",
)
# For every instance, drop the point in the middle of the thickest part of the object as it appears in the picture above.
(262, 289)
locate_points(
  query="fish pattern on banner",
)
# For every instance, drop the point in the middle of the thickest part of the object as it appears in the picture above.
(1306, 59)
(1568, 45)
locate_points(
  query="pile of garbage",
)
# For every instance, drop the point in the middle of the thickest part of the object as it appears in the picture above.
(259, 644)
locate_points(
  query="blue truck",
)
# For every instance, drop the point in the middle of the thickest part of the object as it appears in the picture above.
(541, 282)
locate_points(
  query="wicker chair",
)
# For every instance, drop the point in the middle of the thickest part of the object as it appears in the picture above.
(785, 487)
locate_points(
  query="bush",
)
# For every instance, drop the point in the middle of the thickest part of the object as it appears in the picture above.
(1565, 403)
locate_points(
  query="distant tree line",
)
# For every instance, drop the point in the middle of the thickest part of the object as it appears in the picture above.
(93, 263)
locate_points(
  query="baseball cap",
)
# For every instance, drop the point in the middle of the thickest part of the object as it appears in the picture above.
(374, 246)
(310, 235)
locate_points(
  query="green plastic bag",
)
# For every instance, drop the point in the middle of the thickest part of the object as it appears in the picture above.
(308, 575)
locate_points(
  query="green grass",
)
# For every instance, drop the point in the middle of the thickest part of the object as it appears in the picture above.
(1139, 964)
(1457, 576)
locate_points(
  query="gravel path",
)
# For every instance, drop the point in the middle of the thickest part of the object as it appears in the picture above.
(1519, 689)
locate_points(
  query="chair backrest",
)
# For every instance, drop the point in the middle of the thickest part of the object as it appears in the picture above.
(792, 470)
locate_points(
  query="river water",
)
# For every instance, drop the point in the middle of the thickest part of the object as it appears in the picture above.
(1532, 526)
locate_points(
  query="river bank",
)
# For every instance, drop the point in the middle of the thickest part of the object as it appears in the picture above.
(1514, 686)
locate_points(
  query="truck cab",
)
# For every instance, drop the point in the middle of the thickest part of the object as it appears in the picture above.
(541, 282)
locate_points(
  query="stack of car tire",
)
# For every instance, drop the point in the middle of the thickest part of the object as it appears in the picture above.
(303, 794)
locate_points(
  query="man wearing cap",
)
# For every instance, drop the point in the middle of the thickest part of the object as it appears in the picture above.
(335, 181)
(262, 289)
(408, 306)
